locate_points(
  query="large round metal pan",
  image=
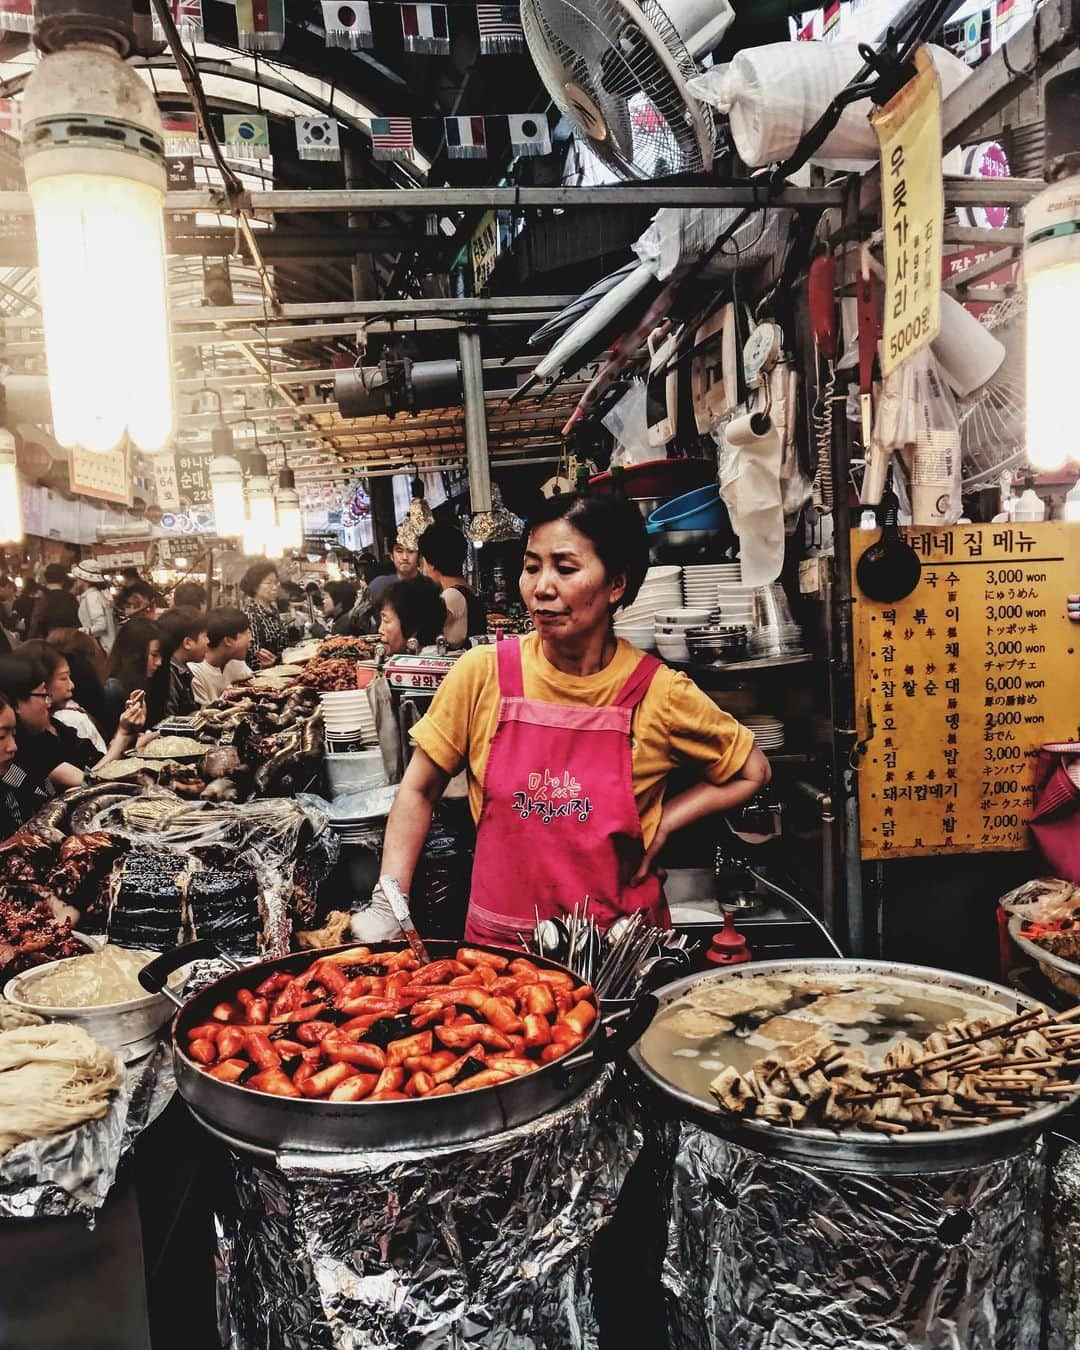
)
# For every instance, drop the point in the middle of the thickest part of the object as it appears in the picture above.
(280, 1124)
(851, 1150)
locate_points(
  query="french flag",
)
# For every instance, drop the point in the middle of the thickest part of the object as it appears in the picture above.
(466, 138)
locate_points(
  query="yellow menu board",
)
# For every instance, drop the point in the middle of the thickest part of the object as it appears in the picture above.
(959, 684)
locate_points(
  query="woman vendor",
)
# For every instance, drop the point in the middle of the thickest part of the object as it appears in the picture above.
(568, 737)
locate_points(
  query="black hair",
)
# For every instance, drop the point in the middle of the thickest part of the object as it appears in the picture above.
(420, 608)
(127, 660)
(140, 587)
(225, 622)
(19, 676)
(612, 525)
(46, 656)
(189, 595)
(178, 624)
(444, 547)
(57, 574)
(343, 594)
(256, 575)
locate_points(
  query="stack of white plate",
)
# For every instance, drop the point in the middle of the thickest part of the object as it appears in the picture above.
(768, 731)
(660, 591)
(670, 628)
(349, 719)
(701, 582)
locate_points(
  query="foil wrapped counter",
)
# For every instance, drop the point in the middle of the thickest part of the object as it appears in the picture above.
(483, 1246)
(764, 1254)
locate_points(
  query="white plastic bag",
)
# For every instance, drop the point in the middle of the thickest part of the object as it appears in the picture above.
(774, 94)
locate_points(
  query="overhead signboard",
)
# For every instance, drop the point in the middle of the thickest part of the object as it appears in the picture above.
(100, 473)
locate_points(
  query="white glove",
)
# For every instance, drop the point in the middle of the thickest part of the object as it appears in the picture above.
(376, 923)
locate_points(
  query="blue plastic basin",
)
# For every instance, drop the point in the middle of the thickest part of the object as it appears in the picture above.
(701, 509)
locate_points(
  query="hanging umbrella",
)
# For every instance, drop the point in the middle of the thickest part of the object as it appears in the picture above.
(555, 327)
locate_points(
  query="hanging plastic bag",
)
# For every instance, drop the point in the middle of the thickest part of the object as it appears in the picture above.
(933, 460)
(1055, 816)
(750, 463)
(626, 422)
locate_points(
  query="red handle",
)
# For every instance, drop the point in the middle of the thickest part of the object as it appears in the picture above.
(822, 293)
(866, 303)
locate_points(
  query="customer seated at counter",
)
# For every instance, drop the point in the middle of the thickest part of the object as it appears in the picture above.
(338, 605)
(133, 662)
(60, 685)
(137, 600)
(88, 667)
(411, 609)
(51, 754)
(228, 638)
(569, 737)
(183, 644)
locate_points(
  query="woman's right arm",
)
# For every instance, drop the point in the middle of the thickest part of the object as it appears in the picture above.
(410, 818)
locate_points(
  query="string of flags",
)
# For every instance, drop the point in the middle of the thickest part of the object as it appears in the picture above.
(318, 137)
(425, 28)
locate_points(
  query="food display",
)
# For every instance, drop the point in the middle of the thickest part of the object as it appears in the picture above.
(1049, 914)
(94, 980)
(52, 1078)
(355, 648)
(330, 675)
(865, 1052)
(363, 1026)
(173, 747)
(31, 934)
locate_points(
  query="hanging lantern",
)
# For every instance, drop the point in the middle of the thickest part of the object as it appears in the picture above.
(227, 485)
(93, 150)
(11, 523)
(290, 518)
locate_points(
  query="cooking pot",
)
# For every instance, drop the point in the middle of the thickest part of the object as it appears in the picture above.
(852, 1150)
(264, 1124)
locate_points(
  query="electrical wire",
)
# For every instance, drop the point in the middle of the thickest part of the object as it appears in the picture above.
(786, 895)
(234, 188)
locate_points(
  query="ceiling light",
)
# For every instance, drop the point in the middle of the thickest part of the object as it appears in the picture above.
(289, 515)
(1052, 279)
(227, 486)
(11, 524)
(261, 530)
(94, 156)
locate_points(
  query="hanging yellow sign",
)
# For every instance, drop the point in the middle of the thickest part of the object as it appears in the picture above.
(908, 129)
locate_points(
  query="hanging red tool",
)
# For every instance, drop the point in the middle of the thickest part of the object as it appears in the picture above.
(821, 294)
(866, 296)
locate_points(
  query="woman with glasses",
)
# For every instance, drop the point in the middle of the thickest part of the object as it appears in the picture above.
(51, 755)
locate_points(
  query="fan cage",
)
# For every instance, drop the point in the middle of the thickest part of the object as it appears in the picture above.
(992, 430)
(602, 47)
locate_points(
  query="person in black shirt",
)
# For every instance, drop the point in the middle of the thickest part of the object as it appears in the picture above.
(55, 607)
(133, 662)
(53, 756)
(183, 642)
(19, 797)
(443, 547)
(338, 607)
(261, 583)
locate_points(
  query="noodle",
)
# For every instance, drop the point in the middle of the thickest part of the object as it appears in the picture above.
(52, 1078)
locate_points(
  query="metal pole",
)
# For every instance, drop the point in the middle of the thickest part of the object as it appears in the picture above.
(476, 441)
(842, 670)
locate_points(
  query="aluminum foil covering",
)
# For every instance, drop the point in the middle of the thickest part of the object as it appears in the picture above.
(72, 1173)
(1063, 1252)
(484, 1246)
(764, 1253)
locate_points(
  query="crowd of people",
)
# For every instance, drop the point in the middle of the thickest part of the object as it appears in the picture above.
(84, 677)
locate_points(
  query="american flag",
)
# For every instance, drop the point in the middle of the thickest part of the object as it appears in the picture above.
(500, 29)
(391, 138)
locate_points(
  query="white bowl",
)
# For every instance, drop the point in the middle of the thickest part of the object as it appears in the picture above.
(673, 649)
(663, 573)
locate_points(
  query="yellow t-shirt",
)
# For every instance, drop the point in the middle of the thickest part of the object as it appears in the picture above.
(674, 724)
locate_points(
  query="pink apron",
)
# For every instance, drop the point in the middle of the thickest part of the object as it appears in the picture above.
(559, 821)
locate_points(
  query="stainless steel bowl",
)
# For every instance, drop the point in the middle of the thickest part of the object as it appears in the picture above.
(718, 643)
(130, 1028)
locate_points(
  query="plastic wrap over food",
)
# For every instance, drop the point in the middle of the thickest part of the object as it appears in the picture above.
(677, 236)
(240, 872)
(72, 1173)
(1063, 1252)
(765, 1253)
(484, 1246)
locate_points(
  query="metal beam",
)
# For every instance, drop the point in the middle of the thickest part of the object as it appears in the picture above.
(319, 375)
(741, 192)
(339, 309)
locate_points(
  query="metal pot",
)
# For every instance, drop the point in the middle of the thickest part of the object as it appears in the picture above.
(852, 1151)
(266, 1124)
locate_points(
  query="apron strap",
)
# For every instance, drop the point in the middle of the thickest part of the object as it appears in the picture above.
(637, 686)
(508, 654)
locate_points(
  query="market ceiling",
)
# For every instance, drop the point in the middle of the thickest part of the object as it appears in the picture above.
(312, 255)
